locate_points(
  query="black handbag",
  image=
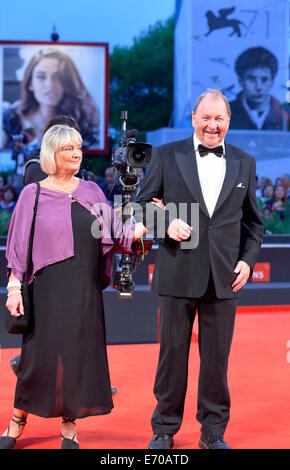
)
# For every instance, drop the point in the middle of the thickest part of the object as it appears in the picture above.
(19, 325)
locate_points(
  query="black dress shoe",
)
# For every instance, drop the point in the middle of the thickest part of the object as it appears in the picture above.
(212, 442)
(69, 443)
(7, 442)
(66, 442)
(161, 441)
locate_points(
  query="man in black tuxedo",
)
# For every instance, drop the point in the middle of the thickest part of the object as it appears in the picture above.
(200, 266)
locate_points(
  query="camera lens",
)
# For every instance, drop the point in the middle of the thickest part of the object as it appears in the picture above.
(138, 155)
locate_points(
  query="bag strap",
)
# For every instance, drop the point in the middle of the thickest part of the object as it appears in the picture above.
(29, 254)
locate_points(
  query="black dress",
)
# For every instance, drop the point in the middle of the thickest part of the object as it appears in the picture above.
(64, 367)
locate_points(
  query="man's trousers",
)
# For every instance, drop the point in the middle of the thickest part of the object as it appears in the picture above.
(216, 319)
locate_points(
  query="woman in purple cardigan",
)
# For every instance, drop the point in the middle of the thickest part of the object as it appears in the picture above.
(63, 367)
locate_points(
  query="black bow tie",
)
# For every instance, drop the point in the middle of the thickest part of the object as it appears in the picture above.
(218, 151)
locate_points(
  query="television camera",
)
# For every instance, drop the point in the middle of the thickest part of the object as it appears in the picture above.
(129, 159)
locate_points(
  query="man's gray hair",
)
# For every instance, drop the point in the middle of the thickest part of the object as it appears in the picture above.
(217, 92)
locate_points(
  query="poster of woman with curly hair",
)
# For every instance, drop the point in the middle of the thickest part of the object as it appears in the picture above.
(44, 80)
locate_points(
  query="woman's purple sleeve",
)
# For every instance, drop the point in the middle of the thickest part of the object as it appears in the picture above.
(123, 235)
(19, 232)
(113, 230)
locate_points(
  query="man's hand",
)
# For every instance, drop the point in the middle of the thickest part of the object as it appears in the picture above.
(179, 230)
(243, 270)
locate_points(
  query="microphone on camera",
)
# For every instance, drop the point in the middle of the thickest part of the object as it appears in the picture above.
(132, 133)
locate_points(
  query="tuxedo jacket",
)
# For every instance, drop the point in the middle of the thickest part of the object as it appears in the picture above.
(233, 232)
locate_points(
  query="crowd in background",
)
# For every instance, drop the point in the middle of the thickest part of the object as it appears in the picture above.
(8, 199)
(273, 197)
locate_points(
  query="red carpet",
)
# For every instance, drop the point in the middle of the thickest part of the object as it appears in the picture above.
(259, 379)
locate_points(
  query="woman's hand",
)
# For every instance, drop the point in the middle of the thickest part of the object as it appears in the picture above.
(15, 305)
(140, 231)
(158, 202)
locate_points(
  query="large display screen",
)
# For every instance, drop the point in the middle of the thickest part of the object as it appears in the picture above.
(44, 79)
(240, 47)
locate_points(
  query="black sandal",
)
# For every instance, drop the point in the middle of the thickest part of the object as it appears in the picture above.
(66, 442)
(7, 442)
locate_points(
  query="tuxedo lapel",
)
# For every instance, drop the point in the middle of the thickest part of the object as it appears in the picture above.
(187, 165)
(188, 168)
(232, 171)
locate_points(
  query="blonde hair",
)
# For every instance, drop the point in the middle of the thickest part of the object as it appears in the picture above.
(217, 92)
(54, 138)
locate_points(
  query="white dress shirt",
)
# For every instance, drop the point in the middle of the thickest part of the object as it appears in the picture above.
(211, 172)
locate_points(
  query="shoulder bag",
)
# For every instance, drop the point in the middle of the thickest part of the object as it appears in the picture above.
(18, 325)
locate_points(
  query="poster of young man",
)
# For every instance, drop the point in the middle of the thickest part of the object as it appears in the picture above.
(240, 47)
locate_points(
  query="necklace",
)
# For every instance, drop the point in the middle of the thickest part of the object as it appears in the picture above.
(70, 190)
